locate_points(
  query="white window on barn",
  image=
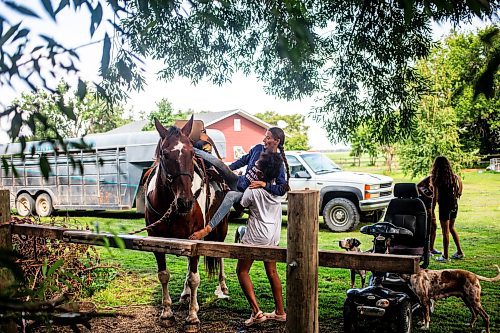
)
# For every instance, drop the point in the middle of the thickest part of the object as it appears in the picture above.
(237, 125)
(238, 152)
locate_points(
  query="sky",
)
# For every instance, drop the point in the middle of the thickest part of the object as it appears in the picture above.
(246, 93)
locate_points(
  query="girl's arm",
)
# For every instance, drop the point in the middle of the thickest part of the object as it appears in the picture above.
(242, 161)
(460, 187)
(281, 186)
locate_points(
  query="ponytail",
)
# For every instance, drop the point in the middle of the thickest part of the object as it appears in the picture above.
(280, 135)
(283, 157)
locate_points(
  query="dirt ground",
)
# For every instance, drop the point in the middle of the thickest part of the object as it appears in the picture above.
(145, 319)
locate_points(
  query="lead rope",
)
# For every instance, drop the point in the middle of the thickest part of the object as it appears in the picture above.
(166, 217)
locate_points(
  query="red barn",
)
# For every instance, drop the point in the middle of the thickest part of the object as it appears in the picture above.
(241, 129)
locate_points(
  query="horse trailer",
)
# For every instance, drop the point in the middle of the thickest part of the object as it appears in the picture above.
(107, 176)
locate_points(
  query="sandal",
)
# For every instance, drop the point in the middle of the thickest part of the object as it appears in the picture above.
(457, 256)
(255, 319)
(274, 316)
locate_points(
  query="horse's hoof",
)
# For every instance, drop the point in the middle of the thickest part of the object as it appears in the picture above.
(192, 327)
(184, 298)
(167, 321)
(221, 293)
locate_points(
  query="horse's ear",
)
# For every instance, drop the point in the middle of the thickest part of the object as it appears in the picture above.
(161, 129)
(186, 129)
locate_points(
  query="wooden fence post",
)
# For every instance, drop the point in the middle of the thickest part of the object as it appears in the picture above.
(302, 262)
(6, 277)
(4, 206)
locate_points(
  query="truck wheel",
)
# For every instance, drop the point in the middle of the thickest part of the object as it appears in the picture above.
(350, 317)
(404, 318)
(43, 205)
(340, 215)
(25, 204)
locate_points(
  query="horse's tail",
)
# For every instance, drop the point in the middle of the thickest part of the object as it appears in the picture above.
(212, 266)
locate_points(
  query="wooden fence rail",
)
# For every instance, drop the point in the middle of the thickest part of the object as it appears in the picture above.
(183, 247)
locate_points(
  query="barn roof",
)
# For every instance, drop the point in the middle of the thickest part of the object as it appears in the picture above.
(210, 118)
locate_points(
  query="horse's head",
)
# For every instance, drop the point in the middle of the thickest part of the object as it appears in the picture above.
(175, 154)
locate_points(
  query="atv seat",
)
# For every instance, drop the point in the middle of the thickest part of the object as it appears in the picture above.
(406, 210)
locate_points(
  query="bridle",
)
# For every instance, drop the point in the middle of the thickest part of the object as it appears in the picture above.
(170, 177)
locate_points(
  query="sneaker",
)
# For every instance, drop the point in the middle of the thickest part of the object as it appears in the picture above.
(457, 256)
(436, 252)
(442, 259)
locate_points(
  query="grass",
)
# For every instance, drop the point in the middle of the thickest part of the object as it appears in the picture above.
(478, 225)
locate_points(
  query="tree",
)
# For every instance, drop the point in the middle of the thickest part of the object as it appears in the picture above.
(458, 62)
(363, 142)
(90, 114)
(357, 54)
(295, 128)
(434, 134)
(165, 113)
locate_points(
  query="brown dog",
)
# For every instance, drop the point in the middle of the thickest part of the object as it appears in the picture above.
(431, 285)
(352, 244)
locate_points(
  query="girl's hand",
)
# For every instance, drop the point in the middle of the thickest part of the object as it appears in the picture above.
(257, 184)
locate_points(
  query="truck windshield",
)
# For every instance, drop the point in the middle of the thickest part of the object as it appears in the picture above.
(319, 163)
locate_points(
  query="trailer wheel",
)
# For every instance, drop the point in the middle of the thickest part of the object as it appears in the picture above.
(25, 204)
(43, 205)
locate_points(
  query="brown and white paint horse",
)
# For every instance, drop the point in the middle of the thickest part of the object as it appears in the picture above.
(174, 189)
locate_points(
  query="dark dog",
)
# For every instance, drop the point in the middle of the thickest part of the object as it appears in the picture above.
(352, 244)
(431, 285)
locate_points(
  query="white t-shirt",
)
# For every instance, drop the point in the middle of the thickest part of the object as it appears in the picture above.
(264, 221)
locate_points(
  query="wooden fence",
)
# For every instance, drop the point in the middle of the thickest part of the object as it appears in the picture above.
(301, 255)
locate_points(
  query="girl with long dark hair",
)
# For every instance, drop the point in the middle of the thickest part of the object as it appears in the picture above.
(273, 142)
(447, 189)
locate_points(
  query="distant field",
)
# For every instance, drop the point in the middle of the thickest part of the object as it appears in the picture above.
(478, 225)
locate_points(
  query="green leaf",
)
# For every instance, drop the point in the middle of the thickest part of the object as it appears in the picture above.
(44, 166)
(22, 33)
(106, 49)
(55, 266)
(47, 4)
(119, 242)
(82, 89)
(67, 110)
(96, 18)
(21, 9)
(9, 33)
(44, 268)
(62, 4)
(124, 70)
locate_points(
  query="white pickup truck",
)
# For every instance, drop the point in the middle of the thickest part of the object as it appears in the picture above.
(346, 198)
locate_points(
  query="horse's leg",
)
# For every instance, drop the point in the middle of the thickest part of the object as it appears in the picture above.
(167, 315)
(186, 291)
(193, 283)
(222, 278)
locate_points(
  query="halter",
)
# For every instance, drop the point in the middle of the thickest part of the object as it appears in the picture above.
(169, 176)
(166, 217)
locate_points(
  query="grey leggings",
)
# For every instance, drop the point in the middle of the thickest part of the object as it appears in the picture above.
(226, 173)
(231, 179)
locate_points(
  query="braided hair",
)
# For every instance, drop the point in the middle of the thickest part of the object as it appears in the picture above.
(278, 134)
(442, 176)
